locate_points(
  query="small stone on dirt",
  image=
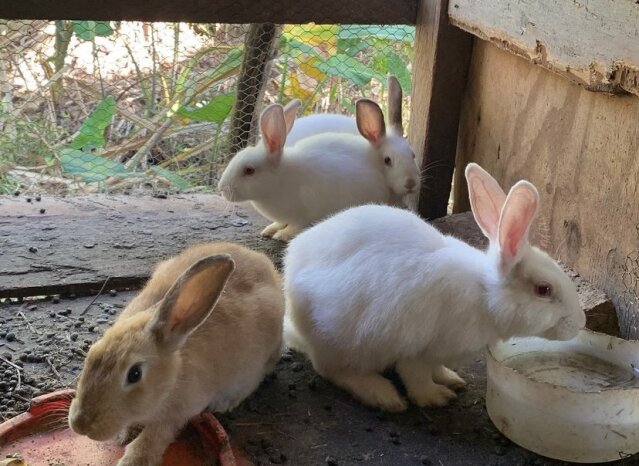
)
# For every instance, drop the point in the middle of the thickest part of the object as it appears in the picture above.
(113, 293)
(42, 211)
(331, 461)
(33, 249)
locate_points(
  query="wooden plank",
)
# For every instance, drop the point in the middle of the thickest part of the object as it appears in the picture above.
(79, 242)
(218, 11)
(601, 315)
(592, 42)
(581, 149)
(442, 53)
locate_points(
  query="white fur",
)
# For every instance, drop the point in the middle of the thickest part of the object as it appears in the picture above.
(300, 185)
(318, 123)
(375, 287)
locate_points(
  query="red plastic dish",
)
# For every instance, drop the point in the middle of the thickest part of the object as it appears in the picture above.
(40, 440)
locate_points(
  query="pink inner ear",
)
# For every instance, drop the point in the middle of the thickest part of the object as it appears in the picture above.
(519, 212)
(487, 200)
(370, 121)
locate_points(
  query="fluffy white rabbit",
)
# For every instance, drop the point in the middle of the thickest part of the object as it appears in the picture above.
(316, 123)
(375, 287)
(392, 147)
(300, 185)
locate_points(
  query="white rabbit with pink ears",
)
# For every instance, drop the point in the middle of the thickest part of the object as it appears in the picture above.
(375, 287)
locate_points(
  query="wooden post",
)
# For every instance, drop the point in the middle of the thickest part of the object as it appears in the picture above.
(442, 55)
(258, 52)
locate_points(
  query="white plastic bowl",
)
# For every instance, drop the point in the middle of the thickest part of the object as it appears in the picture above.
(574, 400)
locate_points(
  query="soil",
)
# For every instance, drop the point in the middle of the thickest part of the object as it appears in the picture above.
(294, 418)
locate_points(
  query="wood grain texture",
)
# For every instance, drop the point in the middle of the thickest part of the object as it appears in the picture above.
(581, 150)
(592, 42)
(81, 241)
(217, 11)
(442, 53)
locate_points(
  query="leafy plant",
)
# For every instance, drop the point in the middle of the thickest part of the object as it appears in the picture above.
(89, 167)
(352, 53)
(91, 134)
(89, 30)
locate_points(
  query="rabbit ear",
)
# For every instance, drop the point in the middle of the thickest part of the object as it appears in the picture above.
(273, 127)
(520, 209)
(190, 300)
(395, 105)
(486, 199)
(290, 113)
(370, 120)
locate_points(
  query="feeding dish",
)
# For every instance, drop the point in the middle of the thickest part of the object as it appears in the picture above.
(41, 437)
(574, 400)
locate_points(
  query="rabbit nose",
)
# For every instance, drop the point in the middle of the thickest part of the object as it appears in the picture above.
(79, 421)
(410, 184)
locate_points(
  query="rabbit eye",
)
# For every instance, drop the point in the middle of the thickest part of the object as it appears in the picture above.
(248, 171)
(388, 162)
(135, 374)
(543, 290)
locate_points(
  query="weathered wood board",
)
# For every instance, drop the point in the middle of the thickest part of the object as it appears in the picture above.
(581, 149)
(78, 242)
(218, 11)
(592, 42)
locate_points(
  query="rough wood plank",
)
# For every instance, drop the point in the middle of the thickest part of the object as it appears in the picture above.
(581, 149)
(79, 242)
(218, 11)
(601, 315)
(592, 42)
(442, 53)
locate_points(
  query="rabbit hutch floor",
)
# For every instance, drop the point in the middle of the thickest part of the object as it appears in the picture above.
(57, 253)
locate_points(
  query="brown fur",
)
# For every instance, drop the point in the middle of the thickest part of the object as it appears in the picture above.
(222, 361)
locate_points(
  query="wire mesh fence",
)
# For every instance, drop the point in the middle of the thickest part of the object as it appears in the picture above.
(90, 106)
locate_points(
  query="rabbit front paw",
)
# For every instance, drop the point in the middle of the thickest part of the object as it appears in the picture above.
(286, 234)
(445, 376)
(272, 229)
(432, 395)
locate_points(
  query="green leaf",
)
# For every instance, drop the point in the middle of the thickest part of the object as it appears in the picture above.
(217, 110)
(173, 178)
(402, 33)
(91, 168)
(295, 48)
(88, 30)
(397, 67)
(92, 129)
(349, 68)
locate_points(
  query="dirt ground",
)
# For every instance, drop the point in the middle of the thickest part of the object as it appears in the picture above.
(294, 418)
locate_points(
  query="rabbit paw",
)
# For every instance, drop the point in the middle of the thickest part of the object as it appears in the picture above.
(286, 234)
(445, 376)
(432, 395)
(135, 459)
(273, 228)
(371, 389)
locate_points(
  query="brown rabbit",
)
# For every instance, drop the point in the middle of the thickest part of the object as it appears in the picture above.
(202, 333)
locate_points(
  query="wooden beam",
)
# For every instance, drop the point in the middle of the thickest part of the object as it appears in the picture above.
(79, 242)
(593, 43)
(217, 11)
(442, 54)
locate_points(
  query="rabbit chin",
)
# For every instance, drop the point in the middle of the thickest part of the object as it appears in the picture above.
(564, 330)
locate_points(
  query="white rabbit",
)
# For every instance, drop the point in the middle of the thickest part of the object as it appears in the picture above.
(376, 287)
(392, 148)
(300, 185)
(316, 123)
